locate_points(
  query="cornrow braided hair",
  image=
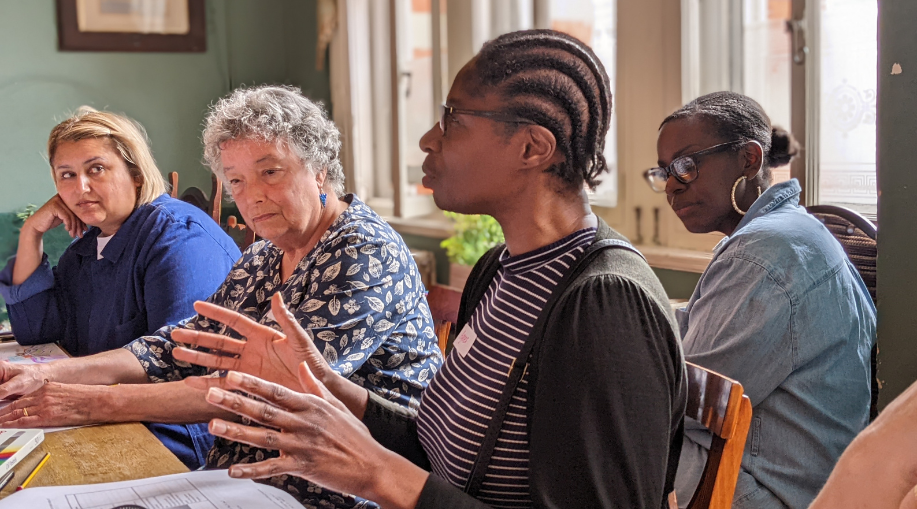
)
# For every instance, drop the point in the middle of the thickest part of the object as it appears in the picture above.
(557, 82)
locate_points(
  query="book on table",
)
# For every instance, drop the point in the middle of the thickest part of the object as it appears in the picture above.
(16, 444)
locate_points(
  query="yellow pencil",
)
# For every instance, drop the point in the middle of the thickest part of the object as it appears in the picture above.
(34, 471)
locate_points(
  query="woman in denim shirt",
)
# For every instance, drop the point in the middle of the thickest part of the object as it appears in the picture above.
(780, 308)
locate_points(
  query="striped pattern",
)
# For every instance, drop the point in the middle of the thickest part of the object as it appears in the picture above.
(460, 401)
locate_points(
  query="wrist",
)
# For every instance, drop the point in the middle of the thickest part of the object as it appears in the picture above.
(396, 482)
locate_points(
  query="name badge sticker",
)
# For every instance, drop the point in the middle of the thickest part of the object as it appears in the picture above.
(464, 340)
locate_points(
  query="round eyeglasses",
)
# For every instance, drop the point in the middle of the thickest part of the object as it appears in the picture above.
(683, 168)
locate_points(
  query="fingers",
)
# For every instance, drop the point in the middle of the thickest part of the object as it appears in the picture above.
(205, 382)
(265, 469)
(208, 360)
(909, 501)
(215, 342)
(294, 332)
(312, 385)
(275, 394)
(18, 383)
(257, 437)
(237, 322)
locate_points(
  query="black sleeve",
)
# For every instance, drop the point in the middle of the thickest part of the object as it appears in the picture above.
(608, 400)
(393, 427)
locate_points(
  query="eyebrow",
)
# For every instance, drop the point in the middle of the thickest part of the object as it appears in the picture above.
(91, 159)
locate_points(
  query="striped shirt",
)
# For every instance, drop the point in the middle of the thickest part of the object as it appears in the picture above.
(457, 407)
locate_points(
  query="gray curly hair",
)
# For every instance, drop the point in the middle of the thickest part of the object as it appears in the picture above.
(278, 114)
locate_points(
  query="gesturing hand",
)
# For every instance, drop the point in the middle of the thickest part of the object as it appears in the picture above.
(53, 213)
(319, 440)
(267, 353)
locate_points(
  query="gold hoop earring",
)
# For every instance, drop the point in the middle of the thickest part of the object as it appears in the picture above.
(735, 205)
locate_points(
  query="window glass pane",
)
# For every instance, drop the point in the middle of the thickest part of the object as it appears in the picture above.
(416, 47)
(767, 61)
(847, 119)
(595, 22)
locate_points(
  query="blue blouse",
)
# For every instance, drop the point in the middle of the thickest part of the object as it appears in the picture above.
(167, 255)
(359, 296)
(782, 310)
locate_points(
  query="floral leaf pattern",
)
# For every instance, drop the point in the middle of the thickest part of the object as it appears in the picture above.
(342, 294)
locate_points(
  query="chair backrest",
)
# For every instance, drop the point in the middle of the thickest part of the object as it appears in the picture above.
(444, 306)
(212, 206)
(721, 405)
(858, 236)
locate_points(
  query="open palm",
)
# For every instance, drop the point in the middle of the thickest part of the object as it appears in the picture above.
(267, 353)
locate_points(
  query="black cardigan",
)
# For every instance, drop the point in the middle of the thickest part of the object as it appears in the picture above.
(607, 392)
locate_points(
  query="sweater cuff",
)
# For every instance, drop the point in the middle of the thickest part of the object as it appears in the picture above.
(41, 280)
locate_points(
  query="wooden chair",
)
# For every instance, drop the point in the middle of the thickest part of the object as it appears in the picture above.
(444, 305)
(721, 405)
(858, 236)
(212, 206)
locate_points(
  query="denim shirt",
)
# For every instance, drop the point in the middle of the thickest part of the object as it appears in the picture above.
(782, 310)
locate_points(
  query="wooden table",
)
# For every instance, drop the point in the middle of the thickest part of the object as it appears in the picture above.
(97, 454)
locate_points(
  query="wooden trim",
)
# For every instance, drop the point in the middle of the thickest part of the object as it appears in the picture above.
(684, 260)
(70, 38)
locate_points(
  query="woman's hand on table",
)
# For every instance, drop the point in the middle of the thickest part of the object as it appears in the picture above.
(53, 213)
(319, 439)
(56, 404)
(266, 353)
(20, 379)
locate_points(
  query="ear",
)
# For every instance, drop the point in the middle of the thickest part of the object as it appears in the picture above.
(754, 160)
(539, 146)
(320, 177)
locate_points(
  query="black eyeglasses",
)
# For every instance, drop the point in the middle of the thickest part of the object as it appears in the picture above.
(498, 116)
(683, 168)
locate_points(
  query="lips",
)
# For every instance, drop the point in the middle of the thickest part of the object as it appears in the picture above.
(86, 203)
(263, 217)
(682, 208)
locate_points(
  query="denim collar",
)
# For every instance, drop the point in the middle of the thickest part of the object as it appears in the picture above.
(86, 245)
(773, 197)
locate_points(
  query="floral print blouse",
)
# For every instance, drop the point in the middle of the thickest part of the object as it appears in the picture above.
(358, 294)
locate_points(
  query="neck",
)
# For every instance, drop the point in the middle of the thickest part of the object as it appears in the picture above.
(532, 222)
(294, 253)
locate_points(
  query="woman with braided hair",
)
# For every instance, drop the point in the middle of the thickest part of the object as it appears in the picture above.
(566, 385)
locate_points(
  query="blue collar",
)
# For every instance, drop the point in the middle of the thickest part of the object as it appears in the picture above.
(87, 245)
(773, 197)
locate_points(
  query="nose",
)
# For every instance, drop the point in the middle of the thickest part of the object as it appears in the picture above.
(673, 186)
(430, 141)
(83, 182)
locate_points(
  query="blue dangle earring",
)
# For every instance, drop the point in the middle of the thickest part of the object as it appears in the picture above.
(323, 197)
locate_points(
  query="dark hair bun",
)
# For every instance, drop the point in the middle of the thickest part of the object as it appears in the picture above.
(783, 148)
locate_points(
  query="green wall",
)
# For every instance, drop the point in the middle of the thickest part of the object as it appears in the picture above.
(896, 135)
(248, 42)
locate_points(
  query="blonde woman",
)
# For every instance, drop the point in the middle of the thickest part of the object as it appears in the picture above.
(139, 261)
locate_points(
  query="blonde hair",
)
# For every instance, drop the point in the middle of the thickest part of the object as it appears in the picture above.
(129, 139)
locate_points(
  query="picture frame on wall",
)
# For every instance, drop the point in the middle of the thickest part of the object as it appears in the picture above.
(131, 25)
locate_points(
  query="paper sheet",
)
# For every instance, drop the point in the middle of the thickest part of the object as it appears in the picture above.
(37, 354)
(212, 489)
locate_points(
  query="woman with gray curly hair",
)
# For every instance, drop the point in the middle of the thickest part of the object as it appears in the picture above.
(327, 263)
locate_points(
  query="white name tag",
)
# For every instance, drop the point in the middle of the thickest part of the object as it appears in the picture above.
(464, 340)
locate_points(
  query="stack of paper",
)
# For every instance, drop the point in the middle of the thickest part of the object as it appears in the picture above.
(212, 489)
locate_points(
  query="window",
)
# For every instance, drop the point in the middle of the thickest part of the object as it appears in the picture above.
(755, 47)
(392, 62)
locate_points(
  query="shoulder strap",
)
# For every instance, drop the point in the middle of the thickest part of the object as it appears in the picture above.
(520, 364)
